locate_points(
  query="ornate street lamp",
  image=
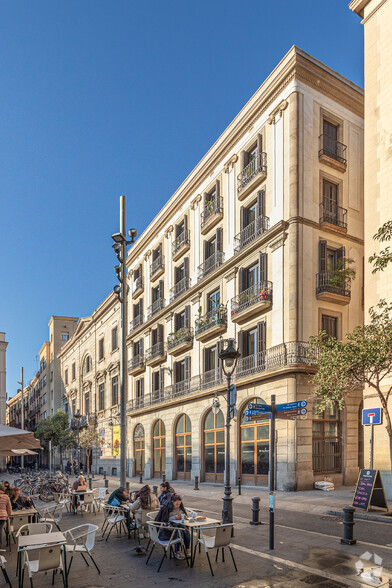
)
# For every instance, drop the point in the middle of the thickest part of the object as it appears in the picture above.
(76, 425)
(229, 357)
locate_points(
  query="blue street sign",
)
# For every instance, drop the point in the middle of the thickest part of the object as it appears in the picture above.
(256, 412)
(263, 407)
(233, 395)
(371, 416)
(291, 405)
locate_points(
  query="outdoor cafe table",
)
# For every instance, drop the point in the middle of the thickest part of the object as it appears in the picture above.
(192, 526)
(28, 515)
(38, 541)
(76, 493)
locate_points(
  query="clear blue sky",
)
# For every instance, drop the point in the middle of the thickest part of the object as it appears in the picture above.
(104, 98)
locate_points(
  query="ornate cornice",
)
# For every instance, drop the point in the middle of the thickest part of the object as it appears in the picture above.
(230, 163)
(277, 111)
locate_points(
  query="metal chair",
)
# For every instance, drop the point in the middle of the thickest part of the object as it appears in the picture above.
(49, 558)
(88, 500)
(113, 518)
(81, 540)
(15, 522)
(3, 561)
(63, 498)
(220, 540)
(167, 544)
(31, 529)
(99, 497)
(52, 514)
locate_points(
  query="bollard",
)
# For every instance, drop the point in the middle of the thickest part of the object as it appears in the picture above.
(127, 486)
(90, 483)
(92, 473)
(155, 490)
(106, 484)
(141, 478)
(164, 478)
(239, 486)
(104, 474)
(348, 526)
(255, 511)
(196, 483)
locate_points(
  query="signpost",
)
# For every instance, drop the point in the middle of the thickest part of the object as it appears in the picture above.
(371, 416)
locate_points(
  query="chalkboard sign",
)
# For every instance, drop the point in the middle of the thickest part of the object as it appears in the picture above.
(369, 490)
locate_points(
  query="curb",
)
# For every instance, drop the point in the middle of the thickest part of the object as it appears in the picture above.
(365, 517)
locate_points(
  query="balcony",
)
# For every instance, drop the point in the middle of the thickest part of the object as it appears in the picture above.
(180, 341)
(211, 215)
(212, 323)
(211, 263)
(332, 153)
(181, 244)
(79, 423)
(92, 418)
(137, 321)
(254, 300)
(136, 365)
(138, 287)
(333, 216)
(211, 378)
(179, 288)
(157, 268)
(155, 307)
(156, 354)
(250, 233)
(254, 173)
(331, 287)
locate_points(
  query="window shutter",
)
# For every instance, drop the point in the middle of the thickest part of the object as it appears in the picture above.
(205, 246)
(141, 270)
(188, 316)
(261, 336)
(141, 306)
(185, 223)
(175, 321)
(186, 267)
(219, 239)
(322, 256)
(241, 343)
(218, 362)
(245, 159)
(141, 346)
(260, 206)
(141, 387)
(160, 334)
(263, 267)
(217, 188)
(187, 367)
(206, 366)
(259, 144)
(160, 249)
(205, 198)
(242, 218)
(340, 254)
(161, 380)
(241, 279)
(160, 289)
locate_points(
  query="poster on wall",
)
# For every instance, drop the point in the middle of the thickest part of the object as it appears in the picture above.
(102, 441)
(116, 441)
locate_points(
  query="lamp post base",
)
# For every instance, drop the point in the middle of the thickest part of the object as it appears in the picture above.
(227, 512)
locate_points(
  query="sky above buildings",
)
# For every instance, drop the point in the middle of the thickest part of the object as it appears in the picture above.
(104, 98)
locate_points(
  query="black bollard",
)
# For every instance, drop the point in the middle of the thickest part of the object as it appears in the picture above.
(90, 483)
(104, 474)
(196, 483)
(141, 478)
(92, 473)
(348, 526)
(239, 486)
(255, 511)
(164, 478)
(106, 484)
(155, 490)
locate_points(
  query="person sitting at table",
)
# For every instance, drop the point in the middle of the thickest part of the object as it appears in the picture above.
(145, 501)
(78, 486)
(166, 492)
(170, 512)
(8, 489)
(18, 502)
(5, 511)
(119, 497)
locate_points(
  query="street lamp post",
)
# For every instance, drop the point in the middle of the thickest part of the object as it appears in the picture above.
(229, 357)
(77, 416)
(21, 416)
(120, 248)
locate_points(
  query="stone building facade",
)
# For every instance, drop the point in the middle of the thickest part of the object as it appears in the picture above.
(252, 246)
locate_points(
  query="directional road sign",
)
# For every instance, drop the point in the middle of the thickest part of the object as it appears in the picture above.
(263, 410)
(291, 414)
(291, 405)
(262, 416)
(263, 407)
(371, 416)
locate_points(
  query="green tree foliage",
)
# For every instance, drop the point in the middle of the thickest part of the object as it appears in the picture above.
(56, 429)
(384, 257)
(89, 439)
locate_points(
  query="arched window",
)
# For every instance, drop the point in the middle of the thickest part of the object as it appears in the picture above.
(184, 447)
(139, 448)
(214, 447)
(159, 448)
(254, 448)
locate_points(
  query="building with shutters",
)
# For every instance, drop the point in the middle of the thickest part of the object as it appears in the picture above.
(251, 246)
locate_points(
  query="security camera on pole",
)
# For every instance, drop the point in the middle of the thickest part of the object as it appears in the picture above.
(120, 248)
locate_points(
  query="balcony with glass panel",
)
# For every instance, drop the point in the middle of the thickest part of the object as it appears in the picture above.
(138, 287)
(253, 174)
(182, 286)
(211, 215)
(211, 264)
(332, 152)
(332, 215)
(251, 301)
(136, 365)
(180, 341)
(181, 244)
(156, 354)
(250, 233)
(157, 268)
(155, 307)
(211, 324)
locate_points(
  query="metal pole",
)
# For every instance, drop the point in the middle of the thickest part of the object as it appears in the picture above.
(78, 464)
(123, 349)
(271, 477)
(22, 418)
(371, 448)
(227, 512)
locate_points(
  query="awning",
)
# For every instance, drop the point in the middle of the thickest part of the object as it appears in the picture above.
(11, 438)
(16, 452)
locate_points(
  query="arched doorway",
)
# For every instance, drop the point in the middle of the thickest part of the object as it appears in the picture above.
(139, 448)
(159, 448)
(214, 447)
(184, 448)
(254, 449)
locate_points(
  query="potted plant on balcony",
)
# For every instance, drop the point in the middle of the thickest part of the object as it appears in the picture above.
(265, 294)
(342, 274)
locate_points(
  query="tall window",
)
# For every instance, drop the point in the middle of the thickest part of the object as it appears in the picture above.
(184, 447)
(327, 449)
(101, 397)
(114, 339)
(139, 442)
(101, 349)
(214, 446)
(329, 324)
(66, 377)
(73, 371)
(213, 300)
(159, 447)
(87, 403)
(115, 390)
(254, 448)
(88, 364)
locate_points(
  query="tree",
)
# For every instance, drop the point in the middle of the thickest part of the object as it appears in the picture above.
(88, 439)
(56, 429)
(382, 259)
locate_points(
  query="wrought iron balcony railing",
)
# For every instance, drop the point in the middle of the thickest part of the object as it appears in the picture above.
(181, 241)
(211, 209)
(179, 337)
(333, 283)
(179, 288)
(211, 263)
(156, 350)
(331, 213)
(215, 317)
(332, 148)
(259, 292)
(257, 166)
(157, 265)
(155, 307)
(136, 362)
(251, 232)
(136, 322)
